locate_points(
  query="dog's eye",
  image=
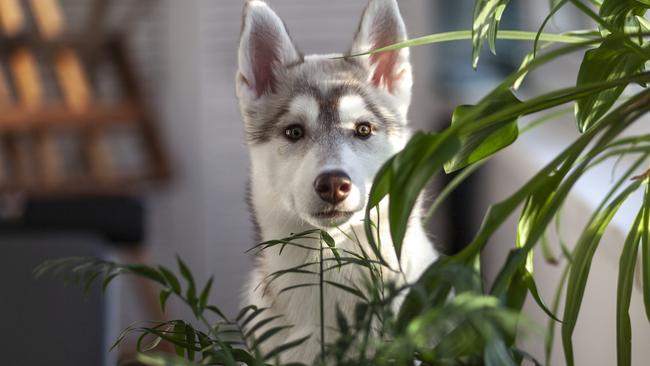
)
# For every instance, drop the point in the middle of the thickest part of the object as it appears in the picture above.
(363, 130)
(294, 132)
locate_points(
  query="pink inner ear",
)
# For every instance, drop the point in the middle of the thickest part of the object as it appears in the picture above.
(264, 53)
(385, 69)
(385, 33)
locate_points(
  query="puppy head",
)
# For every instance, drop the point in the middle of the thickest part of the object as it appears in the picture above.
(319, 127)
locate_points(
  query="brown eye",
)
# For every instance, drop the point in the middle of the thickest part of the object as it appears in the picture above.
(294, 132)
(363, 130)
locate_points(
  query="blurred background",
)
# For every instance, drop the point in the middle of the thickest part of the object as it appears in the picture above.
(121, 138)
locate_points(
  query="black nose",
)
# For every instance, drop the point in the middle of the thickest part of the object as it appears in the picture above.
(333, 186)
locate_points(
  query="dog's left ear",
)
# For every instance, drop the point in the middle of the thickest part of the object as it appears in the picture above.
(382, 25)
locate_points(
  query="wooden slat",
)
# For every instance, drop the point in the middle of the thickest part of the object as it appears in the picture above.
(16, 162)
(11, 17)
(75, 87)
(30, 96)
(48, 16)
(26, 77)
(5, 94)
(60, 116)
(77, 95)
(5, 100)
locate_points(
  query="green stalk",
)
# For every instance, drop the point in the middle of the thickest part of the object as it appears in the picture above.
(321, 287)
(512, 35)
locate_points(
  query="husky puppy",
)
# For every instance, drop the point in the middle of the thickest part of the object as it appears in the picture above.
(318, 128)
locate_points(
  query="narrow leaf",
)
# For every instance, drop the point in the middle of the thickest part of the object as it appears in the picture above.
(171, 279)
(624, 291)
(584, 252)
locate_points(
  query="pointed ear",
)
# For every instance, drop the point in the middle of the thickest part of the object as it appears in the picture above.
(382, 25)
(264, 47)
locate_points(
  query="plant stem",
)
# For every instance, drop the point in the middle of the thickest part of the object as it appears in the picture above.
(322, 307)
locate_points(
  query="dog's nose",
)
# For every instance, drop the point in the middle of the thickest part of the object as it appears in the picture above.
(333, 186)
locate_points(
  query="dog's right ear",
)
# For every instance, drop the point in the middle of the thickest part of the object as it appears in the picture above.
(264, 47)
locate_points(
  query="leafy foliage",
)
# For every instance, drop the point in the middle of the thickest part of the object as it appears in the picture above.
(448, 317)
(470, 326)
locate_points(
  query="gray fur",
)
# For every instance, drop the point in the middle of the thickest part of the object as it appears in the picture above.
(325, 79)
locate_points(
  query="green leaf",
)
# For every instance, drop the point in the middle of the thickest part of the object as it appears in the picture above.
(487, 15)
(411, 169)
(480, 144)
(217, 311)
(497, 354)
(285, 347)
(584, 253)
(178, 336)
(512, 35)
(245, 311)
(530, 57)
(171, 279)
(347, 289)
(147, 272)
(190, 337)
(342, 321)
(643, 23)
(89, 281)
(297, 286)
(611, 61)
(327, 238)
(270, 333)
(551, 325)
(185, 271)
(152, 345)
(645, 251)
(618, 13)
(164, 296)
(517, 289)
(162, 360)
(261, 324)
(556, 5)
(626, 267)
(532, 288)
(191, 289)
(253, 315)
(205, 294)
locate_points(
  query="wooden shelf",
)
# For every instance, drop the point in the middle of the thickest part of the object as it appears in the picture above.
(59, 116)
(31, 119)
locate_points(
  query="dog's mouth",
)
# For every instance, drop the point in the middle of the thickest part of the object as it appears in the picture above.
(333, 214)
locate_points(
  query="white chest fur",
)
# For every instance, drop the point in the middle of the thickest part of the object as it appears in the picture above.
(300, 306)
